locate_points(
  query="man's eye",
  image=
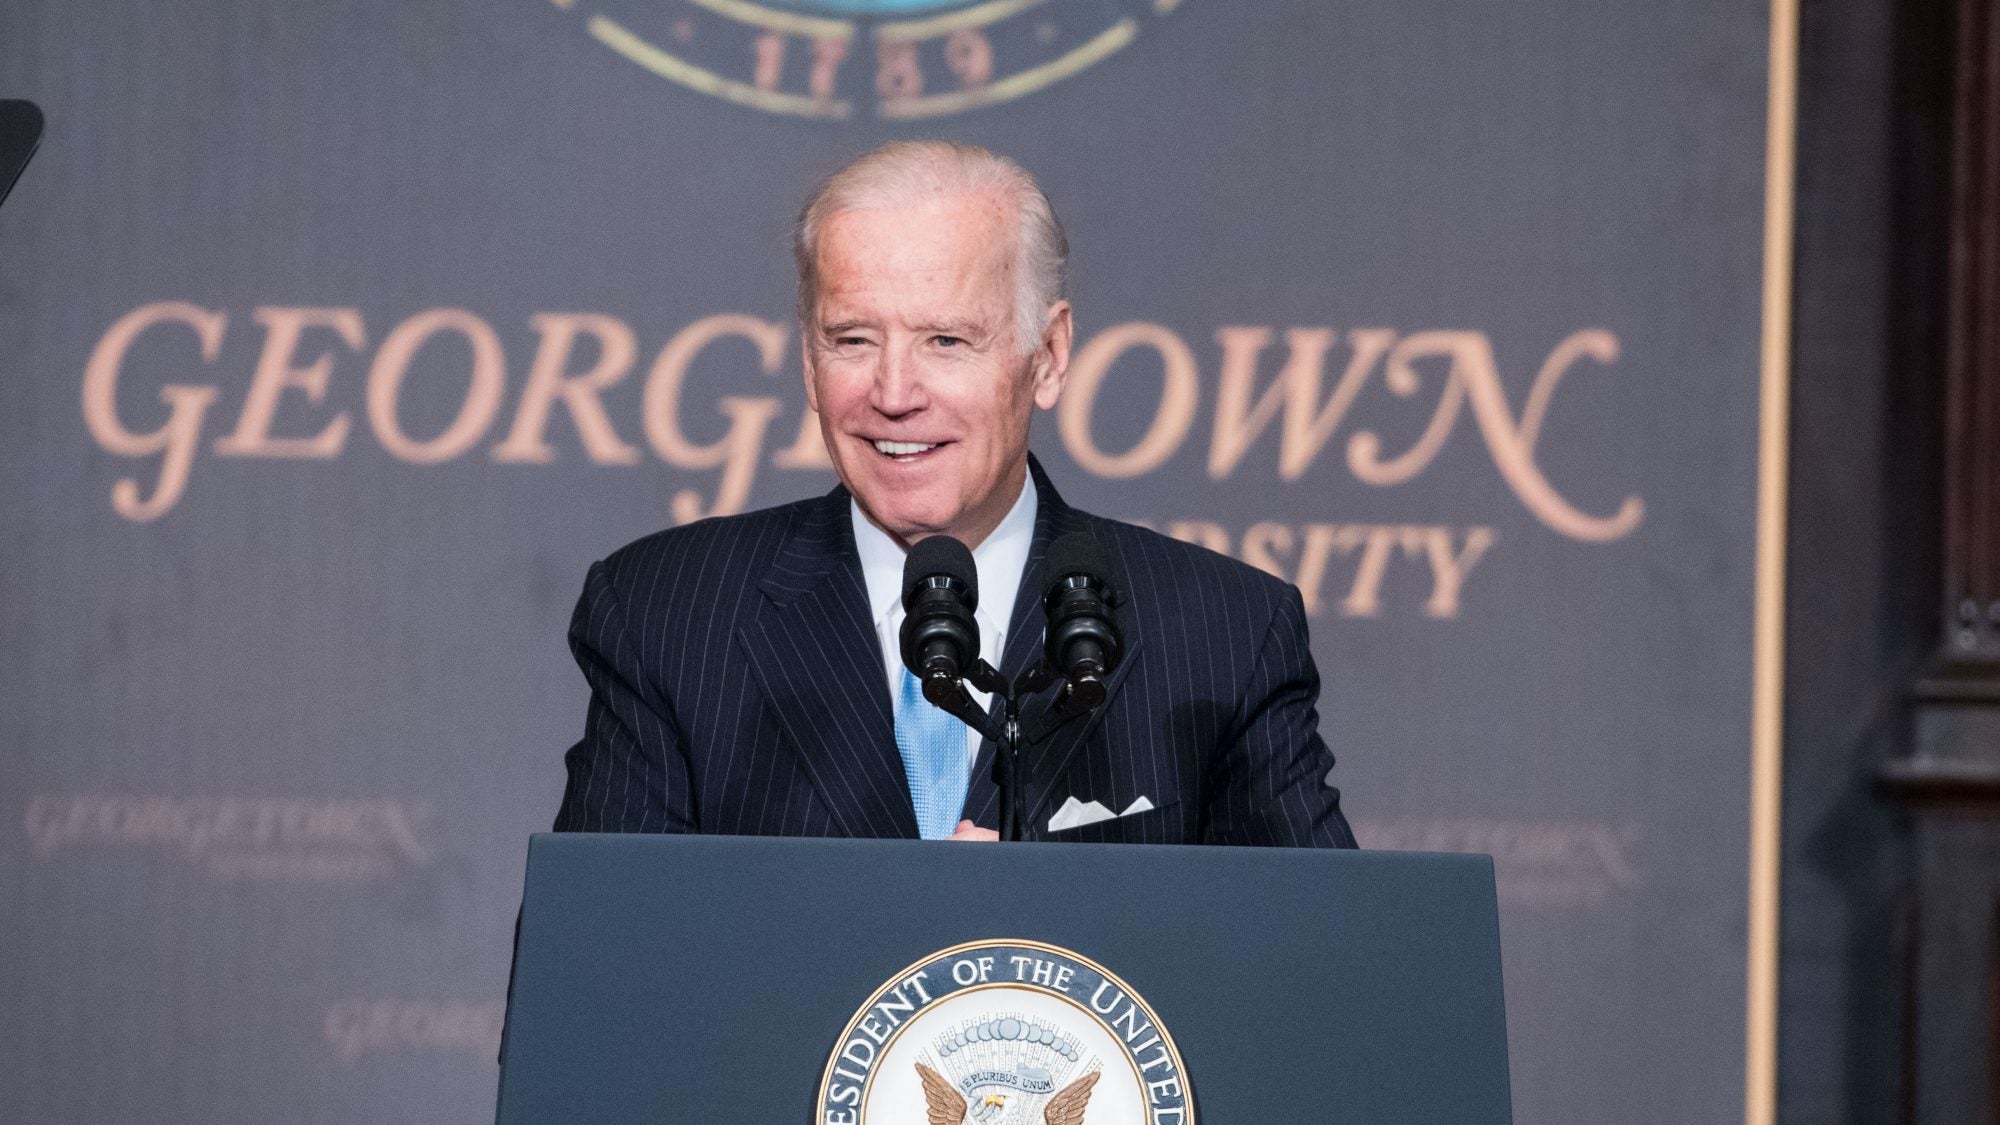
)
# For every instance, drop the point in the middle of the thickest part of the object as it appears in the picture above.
(849, 341)
(949, 341)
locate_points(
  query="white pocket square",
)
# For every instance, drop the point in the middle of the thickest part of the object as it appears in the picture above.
(1076, 814)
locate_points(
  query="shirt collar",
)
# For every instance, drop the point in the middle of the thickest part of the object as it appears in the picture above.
(1001, 558)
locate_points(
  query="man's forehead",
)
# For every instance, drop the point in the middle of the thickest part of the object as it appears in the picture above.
(928, 262)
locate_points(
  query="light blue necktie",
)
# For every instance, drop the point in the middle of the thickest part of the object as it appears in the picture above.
(933, 746)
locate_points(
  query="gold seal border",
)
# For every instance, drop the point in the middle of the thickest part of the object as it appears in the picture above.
(930, 27)
(676, 69)
(1092, 51)
(666, 64)
(874, 998)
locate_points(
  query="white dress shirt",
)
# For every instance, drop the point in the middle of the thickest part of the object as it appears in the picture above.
(1000, 560)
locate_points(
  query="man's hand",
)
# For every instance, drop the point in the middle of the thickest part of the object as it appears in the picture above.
(970, 831)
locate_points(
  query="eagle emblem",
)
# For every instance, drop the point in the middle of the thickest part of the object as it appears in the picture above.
(944, 1105)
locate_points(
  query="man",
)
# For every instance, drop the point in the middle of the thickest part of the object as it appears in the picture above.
(743, 670)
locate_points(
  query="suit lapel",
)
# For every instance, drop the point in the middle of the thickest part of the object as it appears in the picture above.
(815, 654)
(1046, 762)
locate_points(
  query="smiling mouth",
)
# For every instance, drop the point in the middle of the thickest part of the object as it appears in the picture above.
(906, 451)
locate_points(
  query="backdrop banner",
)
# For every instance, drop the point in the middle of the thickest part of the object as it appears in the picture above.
(337, 340)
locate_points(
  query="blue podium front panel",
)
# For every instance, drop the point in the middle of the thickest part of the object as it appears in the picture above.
(664, 979)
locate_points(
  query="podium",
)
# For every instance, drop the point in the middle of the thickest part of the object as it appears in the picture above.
(764, 981)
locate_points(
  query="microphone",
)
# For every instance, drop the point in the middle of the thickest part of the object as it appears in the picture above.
(1084, 641)
(939, 638)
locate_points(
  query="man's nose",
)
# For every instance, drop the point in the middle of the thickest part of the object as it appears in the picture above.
(898, 387)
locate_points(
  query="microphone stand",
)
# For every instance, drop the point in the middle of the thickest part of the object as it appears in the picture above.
(949, 695)
(1007, 769)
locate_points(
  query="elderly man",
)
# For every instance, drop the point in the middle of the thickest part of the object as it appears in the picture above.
(744, 673)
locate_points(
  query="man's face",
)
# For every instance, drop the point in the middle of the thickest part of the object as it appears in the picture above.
(923, 392)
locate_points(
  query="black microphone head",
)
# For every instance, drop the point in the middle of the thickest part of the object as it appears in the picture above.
(1083, 640)
(940, 556)
(1080, 553)
(940, 639)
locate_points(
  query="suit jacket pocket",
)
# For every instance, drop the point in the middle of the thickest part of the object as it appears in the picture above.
(1160, 824)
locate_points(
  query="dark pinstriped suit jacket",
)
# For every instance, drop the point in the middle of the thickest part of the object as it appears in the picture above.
(736, 687)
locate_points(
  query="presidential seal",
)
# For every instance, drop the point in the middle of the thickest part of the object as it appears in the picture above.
(1005, 1033)
(841, 59)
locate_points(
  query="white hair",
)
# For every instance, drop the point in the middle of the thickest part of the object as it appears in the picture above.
(907, 173)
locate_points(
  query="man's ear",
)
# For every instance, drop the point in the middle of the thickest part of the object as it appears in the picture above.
(1051, 362)
(806, 365)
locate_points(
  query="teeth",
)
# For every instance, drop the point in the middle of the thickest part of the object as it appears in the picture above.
(900, 448)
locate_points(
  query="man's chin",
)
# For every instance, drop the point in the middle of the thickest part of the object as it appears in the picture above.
(909, 531)
(905, 522)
